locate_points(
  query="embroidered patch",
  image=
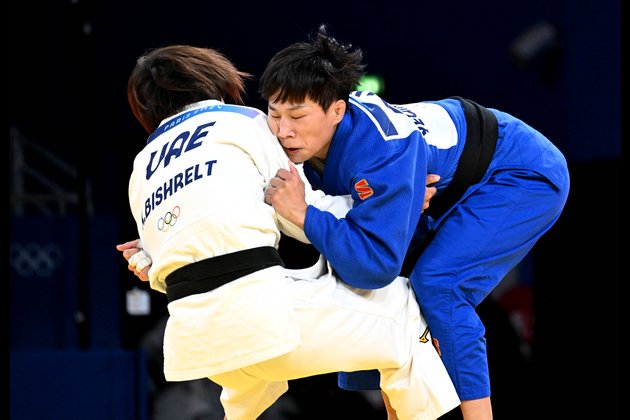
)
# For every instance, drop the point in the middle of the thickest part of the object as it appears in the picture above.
(424, 338)
(436, 344)
(363, 189)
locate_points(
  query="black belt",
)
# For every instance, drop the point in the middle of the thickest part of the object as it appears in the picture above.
(482, 131)
(481, 140)
(206, 275)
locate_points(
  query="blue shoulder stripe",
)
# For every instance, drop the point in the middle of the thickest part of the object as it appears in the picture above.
(175, 121)
(378, 115)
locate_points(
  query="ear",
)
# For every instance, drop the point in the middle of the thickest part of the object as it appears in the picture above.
(339, 109)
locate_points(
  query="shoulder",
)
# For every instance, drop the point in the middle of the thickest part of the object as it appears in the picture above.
(390, 121)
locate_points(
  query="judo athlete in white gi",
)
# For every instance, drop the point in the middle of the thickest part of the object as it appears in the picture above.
(236, 315)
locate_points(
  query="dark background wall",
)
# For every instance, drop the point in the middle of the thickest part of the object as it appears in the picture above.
(555, 64)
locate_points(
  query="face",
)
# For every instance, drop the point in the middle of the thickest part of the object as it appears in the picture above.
(304, 130)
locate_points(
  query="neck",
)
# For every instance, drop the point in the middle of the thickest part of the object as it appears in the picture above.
(317, 164)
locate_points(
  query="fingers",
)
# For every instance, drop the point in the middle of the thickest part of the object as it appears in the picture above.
(279, 180)
(429, 191)
(139, 260)
(142, 275)
(144, 263)
(283, 174)
(130, 252)
(432, 178)
(140, 263)
(128, 245)
(275, 182)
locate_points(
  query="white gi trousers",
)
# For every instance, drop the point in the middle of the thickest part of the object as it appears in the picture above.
(347, 329)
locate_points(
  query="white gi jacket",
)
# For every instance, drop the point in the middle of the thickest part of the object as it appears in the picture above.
(197, 191)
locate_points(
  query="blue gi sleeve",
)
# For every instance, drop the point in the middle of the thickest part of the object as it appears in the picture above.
(368, 246)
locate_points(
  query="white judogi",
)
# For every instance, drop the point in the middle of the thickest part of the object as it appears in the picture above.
(196, 192)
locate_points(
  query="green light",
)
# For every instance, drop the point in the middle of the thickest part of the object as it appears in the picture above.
(372, 83)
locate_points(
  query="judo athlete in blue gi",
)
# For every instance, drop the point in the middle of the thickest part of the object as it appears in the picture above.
(502, 185)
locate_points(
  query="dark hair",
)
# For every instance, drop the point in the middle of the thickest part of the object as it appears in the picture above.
(167, 79)
(322, 70)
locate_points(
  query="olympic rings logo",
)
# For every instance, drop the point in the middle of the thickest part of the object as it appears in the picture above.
(169, 219)
(35, 259)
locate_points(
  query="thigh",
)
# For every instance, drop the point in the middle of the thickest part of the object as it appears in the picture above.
(487, 234)
(345, 329)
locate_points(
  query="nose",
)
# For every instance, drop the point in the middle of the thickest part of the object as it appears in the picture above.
(284, 128)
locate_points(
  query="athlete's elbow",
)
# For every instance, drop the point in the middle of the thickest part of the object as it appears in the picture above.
(387, 271)
(373, 279)
(385, 277)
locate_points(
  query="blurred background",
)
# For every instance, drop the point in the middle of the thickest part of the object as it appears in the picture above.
(85, 334)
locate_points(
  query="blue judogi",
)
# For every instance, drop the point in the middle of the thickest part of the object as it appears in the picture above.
(381, 154)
